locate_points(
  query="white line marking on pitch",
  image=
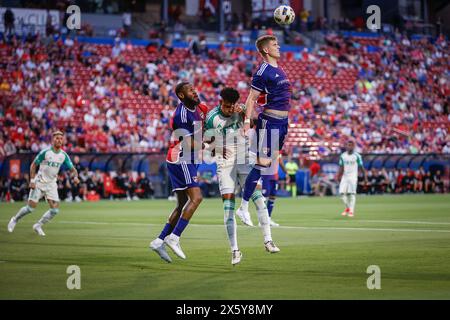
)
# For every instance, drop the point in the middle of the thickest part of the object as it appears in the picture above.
(398, 221)
(281, 227)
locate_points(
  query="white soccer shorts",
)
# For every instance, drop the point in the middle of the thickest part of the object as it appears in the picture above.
(348, 186)
(229, 175)
(49, 191)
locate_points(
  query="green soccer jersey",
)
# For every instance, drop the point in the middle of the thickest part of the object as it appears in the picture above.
(227, 127)
(350, 162)
(50, 162)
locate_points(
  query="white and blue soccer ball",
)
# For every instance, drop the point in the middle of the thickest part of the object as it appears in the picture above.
(284, 15)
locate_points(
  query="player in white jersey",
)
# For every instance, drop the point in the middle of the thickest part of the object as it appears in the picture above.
(224, 123)
(349, 162)
(44, 183)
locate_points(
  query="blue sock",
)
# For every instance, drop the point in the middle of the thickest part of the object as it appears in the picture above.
(181, 225)
(250, 183)
(270, 204)
(166, 231)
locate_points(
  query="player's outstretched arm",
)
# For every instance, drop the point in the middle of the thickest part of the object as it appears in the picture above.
(249, 106)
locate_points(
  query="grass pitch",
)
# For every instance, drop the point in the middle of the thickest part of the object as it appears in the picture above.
(323, 255)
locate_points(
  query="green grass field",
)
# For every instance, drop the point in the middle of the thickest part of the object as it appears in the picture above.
(324, 255)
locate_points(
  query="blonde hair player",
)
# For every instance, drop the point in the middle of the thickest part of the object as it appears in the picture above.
(271, 85)
(44, 183)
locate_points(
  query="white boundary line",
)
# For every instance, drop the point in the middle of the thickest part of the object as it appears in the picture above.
(396, 221)
(281, 227)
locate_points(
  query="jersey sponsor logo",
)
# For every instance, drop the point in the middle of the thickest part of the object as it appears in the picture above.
(53, 164)
(283, 82)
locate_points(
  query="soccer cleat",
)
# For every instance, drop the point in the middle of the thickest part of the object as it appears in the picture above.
(345, 212)
(12, 224)
(38, 229)
(273, 223)
(271, 247)
(236, 257)
(174, 244)
(245, 217)
(350, 214)
(159, 247)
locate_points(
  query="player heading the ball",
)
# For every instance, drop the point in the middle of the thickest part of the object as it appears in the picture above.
(270, 82)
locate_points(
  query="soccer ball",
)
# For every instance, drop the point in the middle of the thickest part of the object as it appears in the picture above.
(284, 15)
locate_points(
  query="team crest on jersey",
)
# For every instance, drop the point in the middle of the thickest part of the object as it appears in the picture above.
(195, 179)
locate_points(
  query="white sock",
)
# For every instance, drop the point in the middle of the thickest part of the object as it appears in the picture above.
(23, 212)
(244, 205)
(345, 200)
(351, 202)
(174, 237)
(49, 215)
(230, 223)
(263, 218)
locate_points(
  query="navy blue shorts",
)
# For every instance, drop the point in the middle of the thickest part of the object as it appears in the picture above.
(182, 175)
(270, 129)
(269, 186)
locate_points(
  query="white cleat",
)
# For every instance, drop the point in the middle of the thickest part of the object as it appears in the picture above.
(245, 217)
(236, 257)
(271, 247)
(159, 247)
(38, 229)
(273, 223)
(12, 224)
(174, 244)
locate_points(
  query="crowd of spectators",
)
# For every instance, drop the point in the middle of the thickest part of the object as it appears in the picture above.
(381, 181)
(398, 103)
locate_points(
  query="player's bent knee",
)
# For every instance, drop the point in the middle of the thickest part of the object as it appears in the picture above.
(197, 200)
(32, 204)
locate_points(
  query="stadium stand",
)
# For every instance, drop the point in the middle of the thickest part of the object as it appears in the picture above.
(119, 98)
